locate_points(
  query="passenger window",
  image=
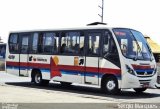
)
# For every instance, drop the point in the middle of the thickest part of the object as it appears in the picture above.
(48, 42)
(24, 46)
(34, 43)
(93, 45)
(72, 42)
(13, 43)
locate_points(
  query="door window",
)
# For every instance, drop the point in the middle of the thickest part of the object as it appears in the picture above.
(93, 43)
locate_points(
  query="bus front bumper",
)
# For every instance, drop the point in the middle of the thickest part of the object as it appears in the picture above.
(132, 81)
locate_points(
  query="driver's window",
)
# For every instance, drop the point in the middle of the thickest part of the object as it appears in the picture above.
(110, 50)
(109, 45)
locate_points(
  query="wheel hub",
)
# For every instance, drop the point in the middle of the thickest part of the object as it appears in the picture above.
(110, 85)
(37, 78)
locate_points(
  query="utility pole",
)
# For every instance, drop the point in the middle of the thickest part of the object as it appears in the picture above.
(102, 8)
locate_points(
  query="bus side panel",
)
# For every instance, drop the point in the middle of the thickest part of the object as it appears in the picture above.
(41, 63)
(92, 73)
(106, 67)
(65, 68)
(12, 63)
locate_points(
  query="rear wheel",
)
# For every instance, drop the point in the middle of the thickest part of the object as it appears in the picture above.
(140, 90)
(37, 79)
(110, 85)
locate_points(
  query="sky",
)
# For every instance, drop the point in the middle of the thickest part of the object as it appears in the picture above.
(22, 15)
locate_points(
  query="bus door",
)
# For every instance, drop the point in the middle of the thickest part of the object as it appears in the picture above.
(23, 56)
(92, 58)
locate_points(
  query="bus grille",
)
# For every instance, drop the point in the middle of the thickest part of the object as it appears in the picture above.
(144, 73)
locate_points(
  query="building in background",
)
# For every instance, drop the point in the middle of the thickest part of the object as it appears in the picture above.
(155, 48)
(2, 49)
(2, 55)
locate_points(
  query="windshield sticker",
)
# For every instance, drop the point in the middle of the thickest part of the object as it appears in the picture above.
(120, 33)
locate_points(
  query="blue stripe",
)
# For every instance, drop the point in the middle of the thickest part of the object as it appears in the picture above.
(24, 68)
(12, 67)
(144, 70)
(67, 72)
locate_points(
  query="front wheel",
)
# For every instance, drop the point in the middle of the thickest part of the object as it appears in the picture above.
(110, 85)
(140, 90)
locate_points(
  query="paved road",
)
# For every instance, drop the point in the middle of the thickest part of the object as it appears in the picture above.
(20, 90)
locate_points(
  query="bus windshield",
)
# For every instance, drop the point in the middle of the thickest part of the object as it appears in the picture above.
(133, 44)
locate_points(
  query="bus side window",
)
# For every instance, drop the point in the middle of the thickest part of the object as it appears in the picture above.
(40, 43)
(72, 42)
(24, 44)
(34, 43)
(13, 43)
(48, 42)
(63, 47)
(81, 44)
(93, 47)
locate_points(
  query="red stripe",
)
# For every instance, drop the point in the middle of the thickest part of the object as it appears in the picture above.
(89, 69)
(12, 63)
(38, 65)
(67, 67)
(141, 66)
(110, 71)
(24, 64)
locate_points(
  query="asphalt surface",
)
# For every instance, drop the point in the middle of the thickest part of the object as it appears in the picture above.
(19, 90)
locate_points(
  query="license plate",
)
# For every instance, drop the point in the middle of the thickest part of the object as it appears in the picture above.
(145, 85)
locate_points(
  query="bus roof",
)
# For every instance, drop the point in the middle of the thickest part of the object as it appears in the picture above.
(64, 29)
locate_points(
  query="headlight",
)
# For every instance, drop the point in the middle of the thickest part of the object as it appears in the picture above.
(155, 71)
(129, 70)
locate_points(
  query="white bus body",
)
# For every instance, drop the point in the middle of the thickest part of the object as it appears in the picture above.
(113, 58)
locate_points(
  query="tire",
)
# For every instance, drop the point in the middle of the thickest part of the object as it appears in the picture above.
(65, 83)
(140, 90)
(110, 85)
(37, 79)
